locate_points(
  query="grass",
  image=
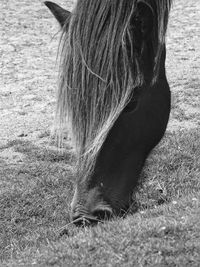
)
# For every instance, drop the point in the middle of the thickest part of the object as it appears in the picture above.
(165, 231)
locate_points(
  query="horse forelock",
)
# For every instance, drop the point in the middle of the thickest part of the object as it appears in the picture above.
(96, 80)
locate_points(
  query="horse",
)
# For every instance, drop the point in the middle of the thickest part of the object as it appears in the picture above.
(113, 97)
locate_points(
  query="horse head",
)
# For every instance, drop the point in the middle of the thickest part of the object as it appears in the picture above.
(113, 96)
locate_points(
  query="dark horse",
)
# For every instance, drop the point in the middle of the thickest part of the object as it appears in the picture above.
(113, 96)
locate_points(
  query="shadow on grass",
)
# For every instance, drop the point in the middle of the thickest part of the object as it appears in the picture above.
(38, 153)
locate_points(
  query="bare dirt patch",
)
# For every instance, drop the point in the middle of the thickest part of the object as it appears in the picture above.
(28, 48)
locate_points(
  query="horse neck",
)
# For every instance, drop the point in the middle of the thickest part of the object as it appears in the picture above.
(162, 72)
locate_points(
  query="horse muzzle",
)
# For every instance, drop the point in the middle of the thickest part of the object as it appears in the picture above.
(81, 216)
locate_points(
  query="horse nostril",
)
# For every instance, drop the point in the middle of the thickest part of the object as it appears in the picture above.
(102, 214)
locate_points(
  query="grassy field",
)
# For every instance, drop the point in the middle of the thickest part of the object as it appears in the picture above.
(36, 181)
(35, 227)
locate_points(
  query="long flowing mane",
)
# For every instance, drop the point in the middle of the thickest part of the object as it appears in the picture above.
(99, 71)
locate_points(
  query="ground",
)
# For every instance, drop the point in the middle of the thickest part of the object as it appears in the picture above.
(35, 181)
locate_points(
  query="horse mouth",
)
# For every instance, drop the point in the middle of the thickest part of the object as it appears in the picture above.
(98, 215)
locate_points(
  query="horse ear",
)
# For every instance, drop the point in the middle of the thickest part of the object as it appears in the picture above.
(59, 13)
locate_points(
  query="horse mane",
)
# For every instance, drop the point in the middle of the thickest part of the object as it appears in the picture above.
(97, 76)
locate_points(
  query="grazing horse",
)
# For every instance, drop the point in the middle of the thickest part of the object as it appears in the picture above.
(113, 97)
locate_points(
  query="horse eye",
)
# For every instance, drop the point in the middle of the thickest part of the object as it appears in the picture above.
(131, 106)
(136, 19)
